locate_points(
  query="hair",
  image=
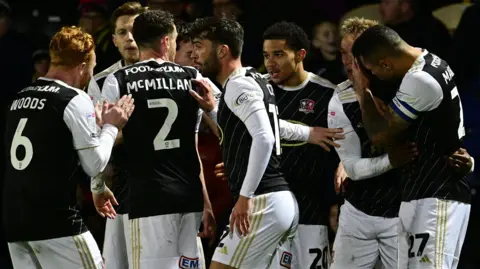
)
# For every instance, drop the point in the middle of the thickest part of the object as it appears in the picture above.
(127, 9)
(294, 35)
(356, 26)
(220, 31)
(152, 25)
(71, 47)
(183, 29)
(376, 43)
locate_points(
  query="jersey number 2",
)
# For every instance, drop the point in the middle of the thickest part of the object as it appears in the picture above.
(20, 140)
(159, 142)
(274, 110)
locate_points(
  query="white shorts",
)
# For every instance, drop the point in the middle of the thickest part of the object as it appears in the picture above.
(274, 220)
(431, 233)
(80, 251)
(310, 249)
(116, 246)
(166, 240)
(362, 239)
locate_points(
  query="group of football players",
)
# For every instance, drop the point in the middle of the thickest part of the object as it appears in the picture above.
(388, 140)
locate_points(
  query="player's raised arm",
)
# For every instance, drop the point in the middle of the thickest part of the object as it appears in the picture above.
(350, 150)
(94, 150)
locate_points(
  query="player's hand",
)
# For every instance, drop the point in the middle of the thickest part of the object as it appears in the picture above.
(401, 155)
(324, 136)
(461, 161)
(220, 171)
(360, 81)
(119, 113)
(340, 176)
(240, 218)
(203, 95)
(209, 225)
(104, 203)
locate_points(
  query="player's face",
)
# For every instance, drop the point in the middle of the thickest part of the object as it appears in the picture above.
(184, 54)
(390, 10)
(346, 52)
(383, 69)
(205, 58)
(123, 39)
(279, 60)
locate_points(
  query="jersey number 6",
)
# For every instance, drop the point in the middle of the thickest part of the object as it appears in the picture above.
(19, 140)
(159, 142)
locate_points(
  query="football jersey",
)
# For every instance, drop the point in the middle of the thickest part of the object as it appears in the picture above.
(428, 98)
(119, 183)
(308, 168)
(378, 195)
(236, 141)
(42, 160)
(159, 138)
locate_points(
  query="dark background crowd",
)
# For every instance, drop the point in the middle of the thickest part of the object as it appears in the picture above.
(27, 25)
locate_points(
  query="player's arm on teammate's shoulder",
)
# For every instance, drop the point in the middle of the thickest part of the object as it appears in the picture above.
(244, 98)
(203, 90)
(350, 150)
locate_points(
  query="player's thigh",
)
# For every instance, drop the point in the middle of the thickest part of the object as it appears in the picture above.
(168, 240)
(355, 245)
(432, 230)
(115, 252)
(311, 247)
(23, 256)
(388, 242)
(273, 218)
(188, 241)
(79, 251)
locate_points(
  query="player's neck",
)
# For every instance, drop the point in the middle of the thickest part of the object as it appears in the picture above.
(227, 69)
(411, 54)
(148, 54)
(296, 79)
(63, 74)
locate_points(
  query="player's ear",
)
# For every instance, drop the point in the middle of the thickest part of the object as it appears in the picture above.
(114, 41)
(300, 55)
(82, 68)
(222, 51)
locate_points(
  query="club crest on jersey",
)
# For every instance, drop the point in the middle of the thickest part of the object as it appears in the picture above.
(286, 260)
(306, 106)
(188, 263)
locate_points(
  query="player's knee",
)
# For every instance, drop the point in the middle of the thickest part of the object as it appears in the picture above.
(217, 265)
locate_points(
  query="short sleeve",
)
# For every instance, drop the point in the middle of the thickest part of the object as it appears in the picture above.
(79, 116)
(243, 96)
(418, 92)
(337, 117)
(94, 91)
(111, 89)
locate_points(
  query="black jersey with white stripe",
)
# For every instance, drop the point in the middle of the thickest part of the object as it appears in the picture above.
(309, 169)
(375, 196)
(236, 141)
(159, 138)
(428, 98)
(46, 124)
(118, 158)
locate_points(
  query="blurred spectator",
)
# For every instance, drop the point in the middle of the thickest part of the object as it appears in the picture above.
(176, 7)
(228, 8)
(324, 56)
(417, 27)
(41, 63)
(94, 18)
